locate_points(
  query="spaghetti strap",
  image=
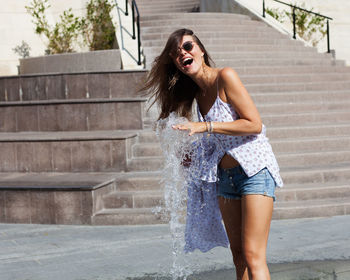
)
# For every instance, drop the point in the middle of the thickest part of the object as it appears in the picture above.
(217, 86)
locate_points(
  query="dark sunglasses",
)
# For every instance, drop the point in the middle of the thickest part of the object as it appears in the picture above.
(187, 46)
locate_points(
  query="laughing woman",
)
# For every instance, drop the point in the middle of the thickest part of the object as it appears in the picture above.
(243, 165)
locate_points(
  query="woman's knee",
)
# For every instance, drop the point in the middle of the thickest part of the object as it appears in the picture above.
(238, 255)
(255, 259)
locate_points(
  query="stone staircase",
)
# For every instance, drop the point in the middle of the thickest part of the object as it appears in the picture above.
(78, 148)
(302, 95)
(64, 138)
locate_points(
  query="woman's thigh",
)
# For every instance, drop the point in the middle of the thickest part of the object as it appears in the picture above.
(256, 219)
(232, 217)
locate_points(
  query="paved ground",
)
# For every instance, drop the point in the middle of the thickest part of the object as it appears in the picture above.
(317, 248)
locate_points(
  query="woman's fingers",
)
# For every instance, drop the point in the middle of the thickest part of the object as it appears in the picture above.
(181, 127)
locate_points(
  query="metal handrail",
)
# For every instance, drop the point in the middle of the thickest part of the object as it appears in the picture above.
(294, 19)
(133, 9)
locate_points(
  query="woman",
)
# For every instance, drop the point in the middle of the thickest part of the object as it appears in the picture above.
(242, 164)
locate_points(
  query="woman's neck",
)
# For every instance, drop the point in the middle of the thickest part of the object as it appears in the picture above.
(205, 78)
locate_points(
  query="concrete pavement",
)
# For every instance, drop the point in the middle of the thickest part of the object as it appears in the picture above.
(314, 248)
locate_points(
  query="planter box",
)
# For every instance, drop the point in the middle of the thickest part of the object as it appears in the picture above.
(94, 61)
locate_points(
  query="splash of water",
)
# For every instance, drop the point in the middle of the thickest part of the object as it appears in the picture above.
(177, 146)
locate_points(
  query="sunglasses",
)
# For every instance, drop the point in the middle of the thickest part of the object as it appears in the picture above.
(187, 46)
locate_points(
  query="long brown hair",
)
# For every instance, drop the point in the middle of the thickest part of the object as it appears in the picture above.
(173, 90)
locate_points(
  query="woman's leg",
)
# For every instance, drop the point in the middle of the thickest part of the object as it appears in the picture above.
(232, 216)
(256, 220)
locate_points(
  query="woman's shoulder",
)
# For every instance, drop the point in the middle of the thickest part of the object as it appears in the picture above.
(227, 74)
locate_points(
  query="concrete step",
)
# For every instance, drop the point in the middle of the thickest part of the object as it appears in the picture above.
(318, 96)
(305, 159)
(268, 62)
(159, 10)
(296, 177)
(313, 208)
(299, 107)
(195, 16)
(166, 5)
(121, 84)
(292, 69)
(98, 151)
(312, 86)
(136, 216)
(312, 118)
(279, 146)
(150, 40)
(193, 20)
(145, 164)
(316, 130)
(297, 78)
(205, 30)
(147, 136)
(285, 160)
(301, 192)
(273, 55)
(305, 192)
(52, 198)
(326, 174)
(226, 44)
(282, 210)
(165, 2)
(57, 115)
(139, 181)
(275, 62)
(132, 199)
(325, 129)
(223, 51)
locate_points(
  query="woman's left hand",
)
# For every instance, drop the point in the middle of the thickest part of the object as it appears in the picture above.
(193, 127)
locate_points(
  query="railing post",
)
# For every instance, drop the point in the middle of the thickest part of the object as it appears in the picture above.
(138, 40)
(328, 44)
(263, 8)
(133, 19)
(126, 8)
(294, 23)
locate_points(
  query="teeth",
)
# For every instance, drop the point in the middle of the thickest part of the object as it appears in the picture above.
(184, 62)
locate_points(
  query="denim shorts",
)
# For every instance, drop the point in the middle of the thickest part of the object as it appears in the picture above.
(233, 183)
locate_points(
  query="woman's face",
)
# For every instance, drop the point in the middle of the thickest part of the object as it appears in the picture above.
(189, 57)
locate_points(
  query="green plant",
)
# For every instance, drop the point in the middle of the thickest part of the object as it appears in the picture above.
(62, 35)
(22, 50)
(97, 26)
(276, 14)
(310, 27)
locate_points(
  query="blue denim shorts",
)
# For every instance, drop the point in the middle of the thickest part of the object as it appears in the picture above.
(233, 183)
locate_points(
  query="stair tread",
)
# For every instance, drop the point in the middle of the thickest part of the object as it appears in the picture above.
(135, 193)
(313, 203)
(52, 180)
(129, 211)
(67, 135)
(313, 186)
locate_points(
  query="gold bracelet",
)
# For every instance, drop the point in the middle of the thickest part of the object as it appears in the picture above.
(206, 124)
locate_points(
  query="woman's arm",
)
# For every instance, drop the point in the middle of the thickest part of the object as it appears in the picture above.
(236, 94)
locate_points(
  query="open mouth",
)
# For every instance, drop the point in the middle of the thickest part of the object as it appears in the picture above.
(187, 61)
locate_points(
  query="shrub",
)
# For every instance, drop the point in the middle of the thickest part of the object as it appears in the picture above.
(308, 26)
(22, 50)
(97, 26)
(62, 35)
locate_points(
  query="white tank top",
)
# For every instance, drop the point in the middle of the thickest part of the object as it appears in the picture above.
(253, 152)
